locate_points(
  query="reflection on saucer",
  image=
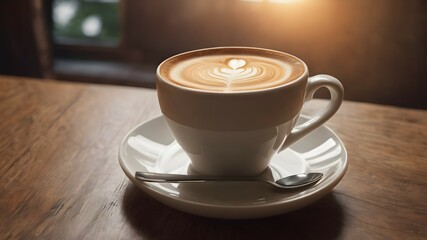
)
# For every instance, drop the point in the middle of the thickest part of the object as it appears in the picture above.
(325, 158)
(227, 189)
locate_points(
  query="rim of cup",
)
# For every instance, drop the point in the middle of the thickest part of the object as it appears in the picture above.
(160, 77)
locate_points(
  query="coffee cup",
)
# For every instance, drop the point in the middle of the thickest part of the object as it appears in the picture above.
(232, 109)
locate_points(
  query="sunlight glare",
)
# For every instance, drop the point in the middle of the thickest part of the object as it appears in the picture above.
(92, 26)
(272, 1)
(63, 12)
(283, 1)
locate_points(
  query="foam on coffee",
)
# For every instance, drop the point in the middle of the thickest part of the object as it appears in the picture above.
(233, 72)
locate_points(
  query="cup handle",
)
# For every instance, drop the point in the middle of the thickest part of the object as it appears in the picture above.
(314, 83)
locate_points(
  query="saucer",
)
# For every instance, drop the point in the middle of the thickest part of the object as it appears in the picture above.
(319, 151)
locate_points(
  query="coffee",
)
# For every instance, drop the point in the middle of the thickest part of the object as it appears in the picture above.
(219, 71)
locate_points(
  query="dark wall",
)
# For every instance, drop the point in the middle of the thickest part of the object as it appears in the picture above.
(378, 49)
(18, 50)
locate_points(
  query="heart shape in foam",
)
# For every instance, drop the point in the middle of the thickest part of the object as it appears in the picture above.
(236, 63)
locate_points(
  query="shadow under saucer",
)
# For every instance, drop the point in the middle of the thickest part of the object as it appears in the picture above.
(150, 218)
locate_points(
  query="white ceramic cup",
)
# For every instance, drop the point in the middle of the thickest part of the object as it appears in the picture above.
(237, 133)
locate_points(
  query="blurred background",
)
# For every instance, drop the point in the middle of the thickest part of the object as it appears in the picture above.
(378, 49)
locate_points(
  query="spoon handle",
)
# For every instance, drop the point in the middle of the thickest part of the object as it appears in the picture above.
(293, 181)
(166, 177)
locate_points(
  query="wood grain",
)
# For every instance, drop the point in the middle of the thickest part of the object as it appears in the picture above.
(60, 178)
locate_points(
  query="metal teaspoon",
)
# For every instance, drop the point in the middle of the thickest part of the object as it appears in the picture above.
(293, 181)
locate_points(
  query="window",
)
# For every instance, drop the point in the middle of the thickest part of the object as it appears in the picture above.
(88, 44)
(86, 22)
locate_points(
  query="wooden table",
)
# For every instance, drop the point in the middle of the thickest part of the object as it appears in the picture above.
(60, 177)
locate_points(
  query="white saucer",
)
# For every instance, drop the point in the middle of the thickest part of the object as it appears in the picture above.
(320, 151)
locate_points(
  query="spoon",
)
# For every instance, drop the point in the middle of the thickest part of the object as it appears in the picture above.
(293, 181)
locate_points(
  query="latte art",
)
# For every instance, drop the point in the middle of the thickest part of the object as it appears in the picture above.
(237, 72)
(231, 73)
(234, 71)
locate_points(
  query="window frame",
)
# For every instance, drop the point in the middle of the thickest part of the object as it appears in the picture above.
(86, 50)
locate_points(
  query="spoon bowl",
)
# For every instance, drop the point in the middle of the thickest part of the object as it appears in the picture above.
(289, 182)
